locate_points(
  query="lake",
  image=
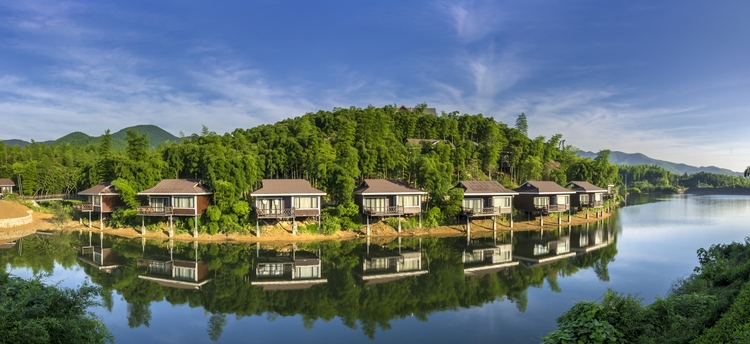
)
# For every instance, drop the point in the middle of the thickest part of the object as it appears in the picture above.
(508, 287)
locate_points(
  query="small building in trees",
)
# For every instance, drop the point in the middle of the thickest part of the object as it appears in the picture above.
(542, 198)
(6, 186)
(286, 199)
(176, 197)
(426, 111)
(587, 195)
(287, 269)
(486, 199)
(386, 263)
(388, 198)
(102, 198)
(183, 273)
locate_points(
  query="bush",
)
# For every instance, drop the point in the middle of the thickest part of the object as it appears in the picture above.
(433, 218)
(32, 312)
(583, 324)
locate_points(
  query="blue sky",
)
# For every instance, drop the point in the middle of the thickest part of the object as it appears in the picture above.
(668, 79)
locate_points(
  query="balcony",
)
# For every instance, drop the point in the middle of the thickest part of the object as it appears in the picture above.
(487, 211)
(86, 207)
(593, 204)
(148, 210)
(275, 213)
(554, 208)
(392, 210)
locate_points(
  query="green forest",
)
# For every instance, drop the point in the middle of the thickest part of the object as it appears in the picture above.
(334, 150)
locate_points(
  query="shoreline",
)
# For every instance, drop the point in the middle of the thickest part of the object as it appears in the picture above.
(279, 234)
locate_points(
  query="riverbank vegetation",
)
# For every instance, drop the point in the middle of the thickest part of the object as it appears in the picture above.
(32, 312)
(710, 306)
(654, 179)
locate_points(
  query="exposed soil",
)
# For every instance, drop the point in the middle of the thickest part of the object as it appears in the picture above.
(281, 232)
(12, 210)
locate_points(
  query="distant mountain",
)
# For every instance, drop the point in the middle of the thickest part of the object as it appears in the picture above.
(620, 158)
(156, 135)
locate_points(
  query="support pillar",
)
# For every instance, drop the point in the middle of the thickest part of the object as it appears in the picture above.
(368, 225)
(420, 218)
(171, 227)
(294, 226)
(195, 227)
(494, 223)
(587, 213)
(101, 221)
(399, 223)
(468, 226)
(559, 219)
(89, 219)
(511, 219)
(569, 215)
(541, 220)
(143, 225)
(257, 228)
(318, 224)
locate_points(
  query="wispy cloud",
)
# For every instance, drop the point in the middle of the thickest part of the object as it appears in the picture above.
(473, 20)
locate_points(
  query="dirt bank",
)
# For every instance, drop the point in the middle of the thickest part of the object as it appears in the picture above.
(12, 210)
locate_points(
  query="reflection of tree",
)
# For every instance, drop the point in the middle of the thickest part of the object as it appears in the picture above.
(370, 308)
(139, 313)
(216, 325)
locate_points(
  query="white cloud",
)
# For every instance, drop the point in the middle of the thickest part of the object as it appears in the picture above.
(473, 20)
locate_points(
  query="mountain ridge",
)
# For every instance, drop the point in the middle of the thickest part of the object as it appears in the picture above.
(622, 158)
(156, 136)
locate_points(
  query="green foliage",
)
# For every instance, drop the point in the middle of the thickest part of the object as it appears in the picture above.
(60, 215)
(433, 218)
(582, 324)
(31, 312)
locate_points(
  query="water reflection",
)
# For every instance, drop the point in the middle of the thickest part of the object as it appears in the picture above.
(366, 284)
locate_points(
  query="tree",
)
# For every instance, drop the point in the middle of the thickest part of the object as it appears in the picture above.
(522, 125)
(747, 172)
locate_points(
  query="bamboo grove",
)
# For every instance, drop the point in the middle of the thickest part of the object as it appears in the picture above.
(334, 150)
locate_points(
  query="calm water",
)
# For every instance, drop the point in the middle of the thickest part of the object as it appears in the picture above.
(507, 288)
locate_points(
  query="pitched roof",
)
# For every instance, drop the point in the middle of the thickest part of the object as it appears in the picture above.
(489, 187)
(542, 187)
(385, 187)
(103, 188)
(586, 187)
(284, 187)
(177, 186)
(6, 182)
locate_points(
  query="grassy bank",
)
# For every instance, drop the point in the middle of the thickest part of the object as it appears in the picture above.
(710, 306)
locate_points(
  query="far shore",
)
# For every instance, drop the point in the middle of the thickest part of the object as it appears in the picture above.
(282, 234)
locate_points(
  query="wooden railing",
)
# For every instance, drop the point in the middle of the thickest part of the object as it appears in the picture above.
(487, 211)
(553, 208)
(594, 204)
(84, 207)
(149, 210)
(275, 213)
(390, 210)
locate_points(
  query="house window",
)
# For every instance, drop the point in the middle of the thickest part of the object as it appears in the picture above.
(307, 272)
(409, 265)
(563, 199)
(501, 202)
(541, 202)
(183, 273)
(306, 203)
(271, 269)
(270, 206)
(474, 204)
(159, 202)
(97, 200)
(408, 201)
(540, 249)
(377, 264)
(376, 204)
(585, 199)
(583, 240)
(184, 202)
(598, 197)
(98, 258)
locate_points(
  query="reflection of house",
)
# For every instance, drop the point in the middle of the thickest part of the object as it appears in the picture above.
(8, 245)
(486, 257)
(104, 259)
(287, 199)
(534, 250)
(541, 197)
(587, 240)
(587, 195)
(295, 269)
(101, 198)
(387, 198)
(382, 264)
(175, 273)
(6, 186)
(176, 197)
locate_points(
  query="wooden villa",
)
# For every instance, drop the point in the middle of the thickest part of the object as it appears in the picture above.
(486, 199)
(175, 273)
(542, 198)
(6, 186)
(386, 264)
(589, 196)
(388, 198)
(175, 197)
(288, 199)
(287, 270)
(482, 256)
(101, 198)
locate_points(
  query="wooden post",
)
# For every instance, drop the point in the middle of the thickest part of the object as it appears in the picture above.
(569, 214)
(399, 223)
(294, 226)
(101, 219)
(541, 220)
(468, 226)
(494, 223)
(143, 225)
(257, 228)
(89, 219)
(318, 224)
(171, 227)
(559, 219)
(420, 218)
(195, 227)
(587, 213)
(511, 218)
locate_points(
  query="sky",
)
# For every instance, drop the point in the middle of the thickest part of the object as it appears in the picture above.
(668, 79)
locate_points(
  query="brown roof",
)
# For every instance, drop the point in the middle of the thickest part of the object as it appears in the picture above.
(586, 187)
(177, 186)
(489, 187)
(283, 187)
(542, 187)
(384, 186)
(6, 182)
(103, 188)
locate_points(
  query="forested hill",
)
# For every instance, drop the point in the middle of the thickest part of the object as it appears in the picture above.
(156, 137)
(620, 158)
